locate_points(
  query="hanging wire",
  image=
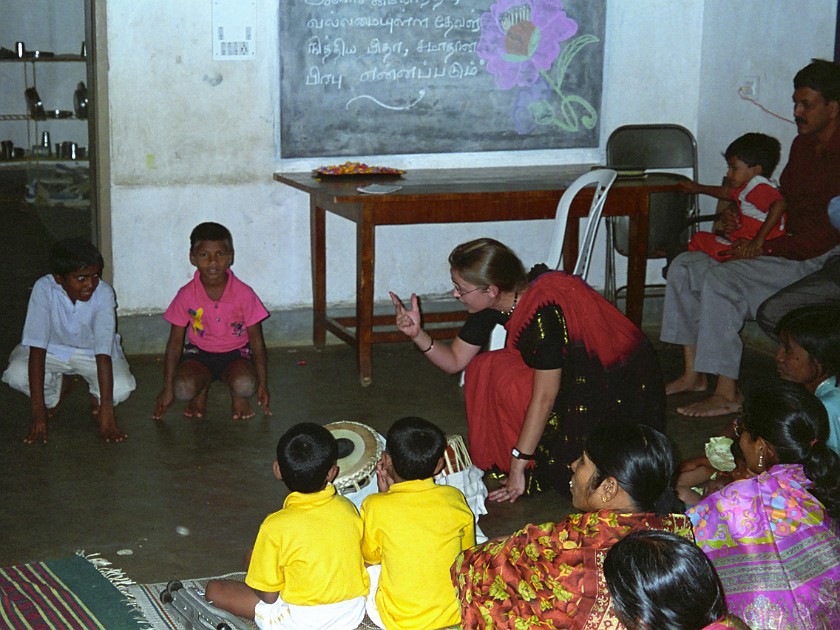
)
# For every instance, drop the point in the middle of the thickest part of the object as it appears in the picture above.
(762, 108)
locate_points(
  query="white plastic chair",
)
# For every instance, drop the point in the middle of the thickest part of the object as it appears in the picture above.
(498, 336)
(602, 179)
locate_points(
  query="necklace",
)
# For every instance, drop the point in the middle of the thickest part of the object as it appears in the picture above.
(512, 306)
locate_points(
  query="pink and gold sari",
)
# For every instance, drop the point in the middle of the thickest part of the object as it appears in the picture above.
(776, 550)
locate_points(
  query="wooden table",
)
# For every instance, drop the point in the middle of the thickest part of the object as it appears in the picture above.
(456, 196)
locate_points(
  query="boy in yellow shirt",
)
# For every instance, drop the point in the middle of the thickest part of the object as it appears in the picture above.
(306, 569)
(413, 531)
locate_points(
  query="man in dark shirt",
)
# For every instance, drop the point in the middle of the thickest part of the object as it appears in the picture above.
(707, 302)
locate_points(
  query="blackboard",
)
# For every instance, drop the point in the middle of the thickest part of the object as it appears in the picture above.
(365, 77)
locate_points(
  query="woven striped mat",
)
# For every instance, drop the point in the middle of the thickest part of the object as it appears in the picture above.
(72, 593)
(160, 617)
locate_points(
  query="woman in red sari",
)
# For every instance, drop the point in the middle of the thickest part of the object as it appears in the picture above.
(571, 362)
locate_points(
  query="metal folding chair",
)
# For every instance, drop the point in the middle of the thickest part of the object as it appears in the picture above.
(653, 147)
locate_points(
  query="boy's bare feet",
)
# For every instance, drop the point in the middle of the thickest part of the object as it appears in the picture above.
(715, 405)
(67, 383)
(197, 406)
(687, 383)
(241, 407)
(94, 406)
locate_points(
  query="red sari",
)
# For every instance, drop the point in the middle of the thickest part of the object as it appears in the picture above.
(609, 374)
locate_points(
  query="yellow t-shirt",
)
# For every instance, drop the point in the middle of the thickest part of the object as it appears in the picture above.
(416, 530)
(309, 551)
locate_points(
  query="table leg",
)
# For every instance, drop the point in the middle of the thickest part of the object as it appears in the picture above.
(318, 253)
(365, 264)
(637, 261)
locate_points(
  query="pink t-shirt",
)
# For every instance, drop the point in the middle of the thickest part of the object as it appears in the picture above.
(216, 326)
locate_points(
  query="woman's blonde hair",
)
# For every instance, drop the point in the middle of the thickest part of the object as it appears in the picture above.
(485, 262)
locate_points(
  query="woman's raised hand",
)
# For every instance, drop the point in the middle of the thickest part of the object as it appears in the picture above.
(407, 321)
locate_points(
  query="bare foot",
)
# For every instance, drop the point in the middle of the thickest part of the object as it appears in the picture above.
(198, 405)
(687, 383)
(67, 383)
(94, 406)
(242, 409)
(715, 405)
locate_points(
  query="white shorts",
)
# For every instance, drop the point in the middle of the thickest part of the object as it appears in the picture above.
(374, 572)
(346, 615)
(17, 374)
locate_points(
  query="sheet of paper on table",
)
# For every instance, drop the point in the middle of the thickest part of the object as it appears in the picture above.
(379, 189)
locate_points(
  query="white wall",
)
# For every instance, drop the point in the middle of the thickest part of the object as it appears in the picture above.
(194, 140)
(748, 39)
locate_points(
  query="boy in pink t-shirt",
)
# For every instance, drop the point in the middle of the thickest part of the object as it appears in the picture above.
(220, 316)
(751, 160)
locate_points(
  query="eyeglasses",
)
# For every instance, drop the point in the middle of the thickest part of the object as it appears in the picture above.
(461, 293)
(738, 427)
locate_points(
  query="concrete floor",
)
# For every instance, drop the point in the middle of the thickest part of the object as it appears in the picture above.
(213, 476)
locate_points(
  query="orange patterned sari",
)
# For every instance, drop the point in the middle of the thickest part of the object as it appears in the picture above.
(549, 575)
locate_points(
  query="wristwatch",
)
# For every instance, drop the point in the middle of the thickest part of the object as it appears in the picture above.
(520, 455)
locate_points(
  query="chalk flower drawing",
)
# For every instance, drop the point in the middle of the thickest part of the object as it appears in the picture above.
(521, 44)
(528, 101)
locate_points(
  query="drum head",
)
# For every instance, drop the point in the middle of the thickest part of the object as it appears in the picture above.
(358, 452)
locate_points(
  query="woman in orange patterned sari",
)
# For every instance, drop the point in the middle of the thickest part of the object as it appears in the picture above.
(551, 575)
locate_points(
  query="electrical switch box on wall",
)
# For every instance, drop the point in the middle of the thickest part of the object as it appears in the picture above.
(233, 30)
(748, 87)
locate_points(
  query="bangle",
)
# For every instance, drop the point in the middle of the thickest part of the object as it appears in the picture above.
(431, 345)
(520, 455)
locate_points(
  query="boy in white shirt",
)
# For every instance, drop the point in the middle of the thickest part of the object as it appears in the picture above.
(70, 329)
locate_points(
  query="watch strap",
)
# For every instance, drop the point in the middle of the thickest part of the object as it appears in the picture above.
(520, 455)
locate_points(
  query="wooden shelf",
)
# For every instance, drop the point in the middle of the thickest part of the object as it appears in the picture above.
(40, 120)
(53, 59)
(49, 160)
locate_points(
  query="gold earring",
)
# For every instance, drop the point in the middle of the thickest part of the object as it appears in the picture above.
(604, 498)
(761, 459)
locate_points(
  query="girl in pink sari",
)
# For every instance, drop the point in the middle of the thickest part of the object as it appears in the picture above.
(773, 538)
(660, 580)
